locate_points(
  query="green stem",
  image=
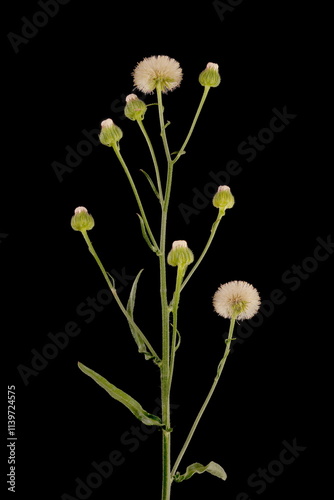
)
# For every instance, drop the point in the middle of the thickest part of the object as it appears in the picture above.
(176, 300)
(199, 109)
(165, 367)
(116, 297)
(135, 192)
(206, 248)
(205, 404)
(154, 159)
(162, 123)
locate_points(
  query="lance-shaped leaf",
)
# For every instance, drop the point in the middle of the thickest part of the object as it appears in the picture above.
(212, 467)
(145, 235)
(122, 397)
(154, 189)
(130, 308)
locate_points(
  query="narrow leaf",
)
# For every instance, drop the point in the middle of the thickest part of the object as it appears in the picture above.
(177, 152)
(213, 468)
(155, 191)
(145, 235)
(112, 279)
(122, 397)
(130, 308)
(179, 340)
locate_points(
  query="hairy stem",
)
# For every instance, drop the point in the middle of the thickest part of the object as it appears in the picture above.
(165, 367)
(176, 300)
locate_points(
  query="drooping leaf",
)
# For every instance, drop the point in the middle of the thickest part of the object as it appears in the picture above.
(154, 189)
(122, 397)
(212, 467)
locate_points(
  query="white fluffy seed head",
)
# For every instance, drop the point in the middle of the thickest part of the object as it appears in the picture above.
(155, 70)
(236, 299)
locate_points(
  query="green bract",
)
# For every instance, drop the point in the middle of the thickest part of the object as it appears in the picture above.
(82, 221)
(135, 109)
(110, 134)
(180, 256)
(223, 199)
(210, 76)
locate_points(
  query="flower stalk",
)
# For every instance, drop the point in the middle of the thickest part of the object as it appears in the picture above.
(207, 399)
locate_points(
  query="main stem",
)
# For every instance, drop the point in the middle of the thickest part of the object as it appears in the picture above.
(175, 302)
(165, 367)
(207, 399)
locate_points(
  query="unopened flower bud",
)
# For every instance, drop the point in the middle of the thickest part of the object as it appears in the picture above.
(223, 199)
(110, 134)
(210, 76)
(82, 220)
(135, 108)
(180, 254)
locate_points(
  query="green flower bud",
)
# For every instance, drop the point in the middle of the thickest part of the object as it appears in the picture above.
(180, 254)
(82, 220)
(135, 109)
(110, 134)
(223, 198)
(210, 76)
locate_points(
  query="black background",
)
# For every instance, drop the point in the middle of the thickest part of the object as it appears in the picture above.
(73, 73)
